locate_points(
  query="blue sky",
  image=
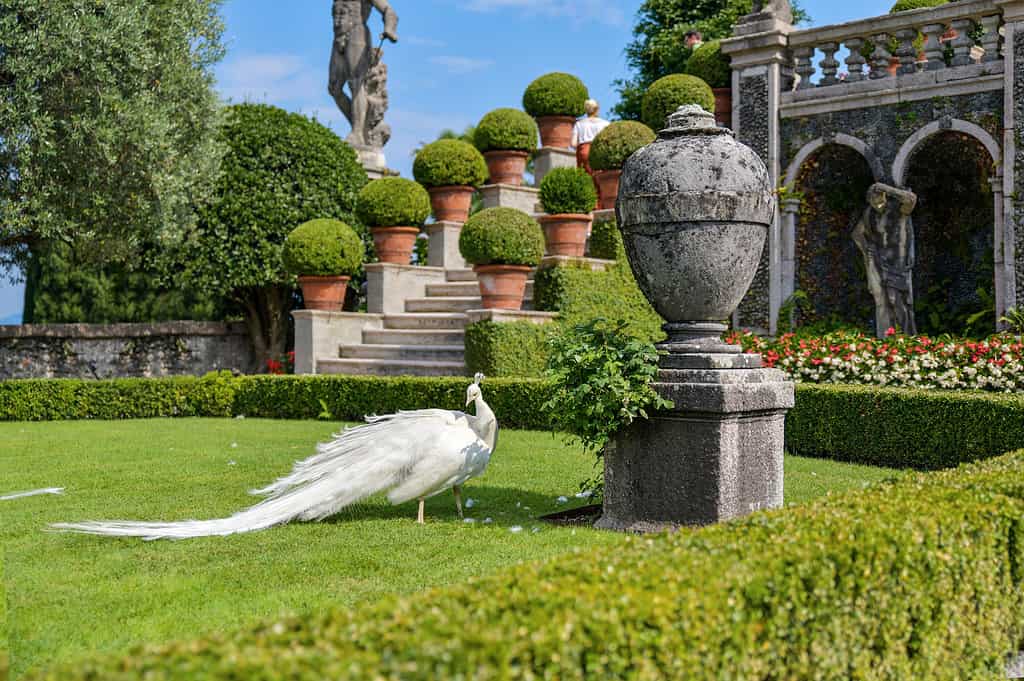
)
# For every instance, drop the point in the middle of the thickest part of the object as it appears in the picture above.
(455, 61)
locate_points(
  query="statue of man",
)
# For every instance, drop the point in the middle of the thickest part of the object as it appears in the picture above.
(781, 9)
(356, 62)
(885, 235)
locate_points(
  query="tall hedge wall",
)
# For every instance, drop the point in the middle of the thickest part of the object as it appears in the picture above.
(919, 578)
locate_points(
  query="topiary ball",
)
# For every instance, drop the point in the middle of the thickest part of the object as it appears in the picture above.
(907, 5)
(709, 64)
(393, 202)
(506, 130)
(614, 144)
(502, 236)
(606, 240)
(447, 163)
(555, 94)
(671, 92)
(568, 190)
(323, 248)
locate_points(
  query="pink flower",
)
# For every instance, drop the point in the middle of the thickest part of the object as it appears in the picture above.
(890, 332)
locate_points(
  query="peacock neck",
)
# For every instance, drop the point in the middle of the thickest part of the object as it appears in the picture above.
(486, 423)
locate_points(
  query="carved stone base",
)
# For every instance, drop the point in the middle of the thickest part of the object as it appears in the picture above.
(444, 245)
(373, 161)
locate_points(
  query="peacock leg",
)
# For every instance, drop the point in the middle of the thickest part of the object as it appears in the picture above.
(419, 516)
(458, 499)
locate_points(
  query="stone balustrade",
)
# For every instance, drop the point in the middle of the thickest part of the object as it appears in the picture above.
(951, 36)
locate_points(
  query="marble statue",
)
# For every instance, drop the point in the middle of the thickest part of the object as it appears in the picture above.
(780, 9)
(885, 235)
(356, 63)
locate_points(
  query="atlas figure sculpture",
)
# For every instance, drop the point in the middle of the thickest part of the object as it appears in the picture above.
(410, 455)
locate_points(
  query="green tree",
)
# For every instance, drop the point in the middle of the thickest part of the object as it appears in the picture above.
(279, 170)
(107, 121)
(658, 47)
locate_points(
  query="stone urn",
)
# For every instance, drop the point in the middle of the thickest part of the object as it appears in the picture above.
(694, 208)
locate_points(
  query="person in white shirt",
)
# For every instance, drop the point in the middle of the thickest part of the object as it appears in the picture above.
(584, 132)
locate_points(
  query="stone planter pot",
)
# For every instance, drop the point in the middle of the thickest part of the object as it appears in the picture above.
(502, 287)
(607, 187)
(451, 203)
(566, 233)
(723, 106)
(395, 244)
(506, 167)
(556, 131)
(323, 293)
(694, 208)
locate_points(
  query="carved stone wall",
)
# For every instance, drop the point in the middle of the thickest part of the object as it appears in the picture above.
(754, 309)
(1018, 99)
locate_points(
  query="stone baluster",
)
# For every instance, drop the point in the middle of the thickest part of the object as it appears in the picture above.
(906, 50)
(933, 50)
(829, 65)
(804, 66)
(962, 43)
(881, 56)
(991, 41)
(855, 60)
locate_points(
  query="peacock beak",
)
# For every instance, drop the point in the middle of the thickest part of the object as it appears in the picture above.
(469, 400)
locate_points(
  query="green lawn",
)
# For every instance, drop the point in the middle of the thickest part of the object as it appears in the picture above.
(70, 594)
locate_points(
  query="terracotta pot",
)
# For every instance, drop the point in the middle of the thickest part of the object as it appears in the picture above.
(323, 293)
(556, 131)
(723, 106)
(395, 244)
(451, 203)
(506, 167)
(566, 233)
(502, 286)
(607, 187)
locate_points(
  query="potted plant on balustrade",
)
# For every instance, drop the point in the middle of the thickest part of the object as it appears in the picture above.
(609, 151)
(555, 100)
(324, 254)
(451, 170)
(394, 208)
(504, 245)
(709, 64)
(506, 137)
(568, 196)
(668, 94)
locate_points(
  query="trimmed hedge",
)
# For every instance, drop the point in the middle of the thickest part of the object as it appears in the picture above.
(606, 240)
(506, 130)
(709, 64)
(916, 578)
(555, 94)
(907, 5)
(323, 248)
(508, 349)
(449, 162)
(671, 92)
(617, 142)
(502, 236)
(393, 202)
(568, 190)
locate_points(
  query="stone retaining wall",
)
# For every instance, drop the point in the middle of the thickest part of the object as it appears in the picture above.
(123, 350)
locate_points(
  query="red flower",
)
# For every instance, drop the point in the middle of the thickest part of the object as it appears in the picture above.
(890, 332)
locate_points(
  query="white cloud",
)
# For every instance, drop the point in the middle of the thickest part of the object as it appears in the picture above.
(461, 65)
(274, 78)
(423, 42)
(579, 11)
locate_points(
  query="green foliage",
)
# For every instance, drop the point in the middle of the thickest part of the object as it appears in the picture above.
(108, 121)
(393, 202)
(508, 349)
(449, 162)
(555, 94)
(709, 64)
(502, 236)
(907, 5)
(606, 240)
(1014, 320)
(568, 190)
(323, 248)
(506, 130)
(671, 92)
(617, 142)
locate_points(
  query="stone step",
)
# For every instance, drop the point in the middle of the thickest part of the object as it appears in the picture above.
(460, 289)
(389, 367)
(460, 275)
(430, 353)
(414, 337)
(442, 304)
(425, 320)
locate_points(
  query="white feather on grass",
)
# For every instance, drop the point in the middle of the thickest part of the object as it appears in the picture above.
(32, 493)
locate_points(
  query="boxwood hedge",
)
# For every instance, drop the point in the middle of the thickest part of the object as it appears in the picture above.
(709, 64)
(449, 162)
(393, 202)
(508, 348)
(671, 92)
(568, 191)
(323, 248)
(506, 130)
(502, 236)
(555, 94)
(916, 578)
(617, 142)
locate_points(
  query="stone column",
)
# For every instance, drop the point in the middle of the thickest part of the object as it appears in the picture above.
(1013, 164)
(762, 70)
(790, 221)
(547, 159)
(444, 245)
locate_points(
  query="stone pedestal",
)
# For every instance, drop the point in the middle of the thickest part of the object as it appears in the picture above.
(373, 161)
(388, 286)
(547, 159)
(444, 245)
(526, 199)
(319, 334)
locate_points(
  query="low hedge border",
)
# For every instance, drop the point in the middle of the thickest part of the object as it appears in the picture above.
(917, 578)
(508, 348)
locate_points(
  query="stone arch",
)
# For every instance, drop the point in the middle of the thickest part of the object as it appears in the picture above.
(902, 162)
(841, 138)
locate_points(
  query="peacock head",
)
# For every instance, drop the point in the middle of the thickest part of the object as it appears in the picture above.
(473, 392)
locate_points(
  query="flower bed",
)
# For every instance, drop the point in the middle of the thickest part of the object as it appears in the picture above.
(995, 364)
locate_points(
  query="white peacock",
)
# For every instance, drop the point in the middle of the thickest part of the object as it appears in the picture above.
(410, 455)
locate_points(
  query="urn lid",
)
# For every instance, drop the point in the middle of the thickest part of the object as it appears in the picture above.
(692, 119)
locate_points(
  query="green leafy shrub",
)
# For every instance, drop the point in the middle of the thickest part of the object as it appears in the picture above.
(323, 248)
(393, 202)
(502, 236)
(617, 142)
(907, 5)
(568, 190)
(606, 240)
(671, 92)
(709, 64)
(506, 130)
(449, 162)
(508, 349)
(555, 94)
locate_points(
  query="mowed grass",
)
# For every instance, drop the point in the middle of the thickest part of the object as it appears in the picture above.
(70, 594)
